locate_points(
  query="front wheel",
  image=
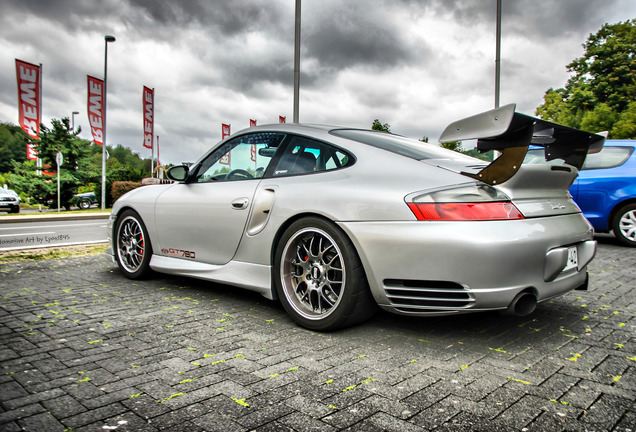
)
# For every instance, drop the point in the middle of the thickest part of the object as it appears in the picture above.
(84, 204)
(132, 245)
(624, 225)
(319, 277)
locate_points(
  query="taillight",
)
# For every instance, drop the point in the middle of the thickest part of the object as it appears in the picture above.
(465, 211)
(471, 202)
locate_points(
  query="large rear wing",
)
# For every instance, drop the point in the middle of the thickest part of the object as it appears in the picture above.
(512, 133)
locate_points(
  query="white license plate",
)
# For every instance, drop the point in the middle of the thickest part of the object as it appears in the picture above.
(573, 259)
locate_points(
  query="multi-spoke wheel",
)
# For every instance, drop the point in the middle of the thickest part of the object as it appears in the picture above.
(133, 249)
(319, 278)
(625, 225)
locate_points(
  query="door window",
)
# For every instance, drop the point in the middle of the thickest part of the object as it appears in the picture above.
(243, 158)
(304, 155)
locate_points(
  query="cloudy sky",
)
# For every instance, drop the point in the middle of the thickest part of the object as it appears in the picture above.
(416, 65)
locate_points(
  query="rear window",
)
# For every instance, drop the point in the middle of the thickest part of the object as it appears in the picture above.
(608, 157)
(400, 145)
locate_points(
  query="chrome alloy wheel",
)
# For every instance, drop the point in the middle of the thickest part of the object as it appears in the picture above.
(312, 273)
(627, 225)
(130, 244)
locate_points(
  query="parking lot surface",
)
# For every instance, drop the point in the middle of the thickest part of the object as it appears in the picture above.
(84, 349)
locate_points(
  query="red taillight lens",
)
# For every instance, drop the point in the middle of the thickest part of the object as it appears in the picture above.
(481, 211)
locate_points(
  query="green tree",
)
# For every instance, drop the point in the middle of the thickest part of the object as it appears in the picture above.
(602, 86)
(453, 145)
(378, 126)
(76, 169)
(13, 146)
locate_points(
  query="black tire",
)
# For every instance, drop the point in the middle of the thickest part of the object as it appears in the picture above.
(319, 277)
(624, 225)
(132, 246)
(84, 204)
(15, 209)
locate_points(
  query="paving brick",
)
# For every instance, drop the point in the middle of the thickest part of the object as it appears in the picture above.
(93, 415)
(40, 422)
(64, 406)
(20, 413)
(215, 422)
(300, 422)
(263, 416)
(31, 398)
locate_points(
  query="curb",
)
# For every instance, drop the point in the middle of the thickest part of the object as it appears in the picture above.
(53, 218)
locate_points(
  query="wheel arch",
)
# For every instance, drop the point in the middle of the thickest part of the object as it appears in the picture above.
(615, 209)
(119, 213)
(283, 227)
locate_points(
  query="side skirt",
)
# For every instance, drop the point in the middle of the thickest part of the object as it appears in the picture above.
(254, 277)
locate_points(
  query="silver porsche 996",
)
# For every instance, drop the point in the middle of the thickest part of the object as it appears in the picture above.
(334, 222)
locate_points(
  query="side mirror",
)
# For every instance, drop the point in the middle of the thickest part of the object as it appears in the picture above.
(178, 172)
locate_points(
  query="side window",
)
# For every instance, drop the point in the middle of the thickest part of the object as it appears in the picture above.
(243, 158)
(304, 155)
(608, 157)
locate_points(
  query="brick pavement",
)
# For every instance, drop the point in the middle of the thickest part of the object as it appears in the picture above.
(84, 349)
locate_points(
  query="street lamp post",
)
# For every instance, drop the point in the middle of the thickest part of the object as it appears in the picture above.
(297, 62)
(107, 38)
(73, 120)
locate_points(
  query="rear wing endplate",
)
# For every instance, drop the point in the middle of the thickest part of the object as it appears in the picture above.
(512, 133)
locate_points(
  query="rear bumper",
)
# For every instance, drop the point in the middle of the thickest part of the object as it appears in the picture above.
(424, 268)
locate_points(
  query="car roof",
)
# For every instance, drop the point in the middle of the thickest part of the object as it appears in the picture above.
(289, 127)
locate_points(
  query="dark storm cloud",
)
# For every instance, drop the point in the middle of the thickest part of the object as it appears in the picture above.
(71, 15)
(547, 18)
(346, 38)
(228, 18)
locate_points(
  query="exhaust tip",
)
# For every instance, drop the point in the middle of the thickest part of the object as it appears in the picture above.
(523, 304)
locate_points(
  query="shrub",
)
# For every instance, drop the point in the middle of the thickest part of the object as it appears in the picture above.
(121, 187)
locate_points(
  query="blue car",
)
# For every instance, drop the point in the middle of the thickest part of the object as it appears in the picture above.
(605, 189)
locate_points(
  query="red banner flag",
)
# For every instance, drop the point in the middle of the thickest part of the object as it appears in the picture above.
(148, 101)
(253, 152)
(96, 108)
(29, 101)
(225, 132)
(252, 123)
(281, 119)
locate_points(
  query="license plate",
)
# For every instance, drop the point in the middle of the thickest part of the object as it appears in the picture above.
(573, 259)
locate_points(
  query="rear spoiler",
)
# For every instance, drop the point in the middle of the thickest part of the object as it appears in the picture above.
(512, 133)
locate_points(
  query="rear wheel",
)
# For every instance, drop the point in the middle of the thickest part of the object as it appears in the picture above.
(319, 277)
(132, 245)
(624, 225)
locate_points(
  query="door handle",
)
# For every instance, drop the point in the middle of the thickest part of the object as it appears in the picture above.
(240, 203)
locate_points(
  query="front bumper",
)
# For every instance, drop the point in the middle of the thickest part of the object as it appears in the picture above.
(426, 268)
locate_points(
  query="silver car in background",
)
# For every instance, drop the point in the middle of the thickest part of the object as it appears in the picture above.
(334, 221)
(9, 201)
